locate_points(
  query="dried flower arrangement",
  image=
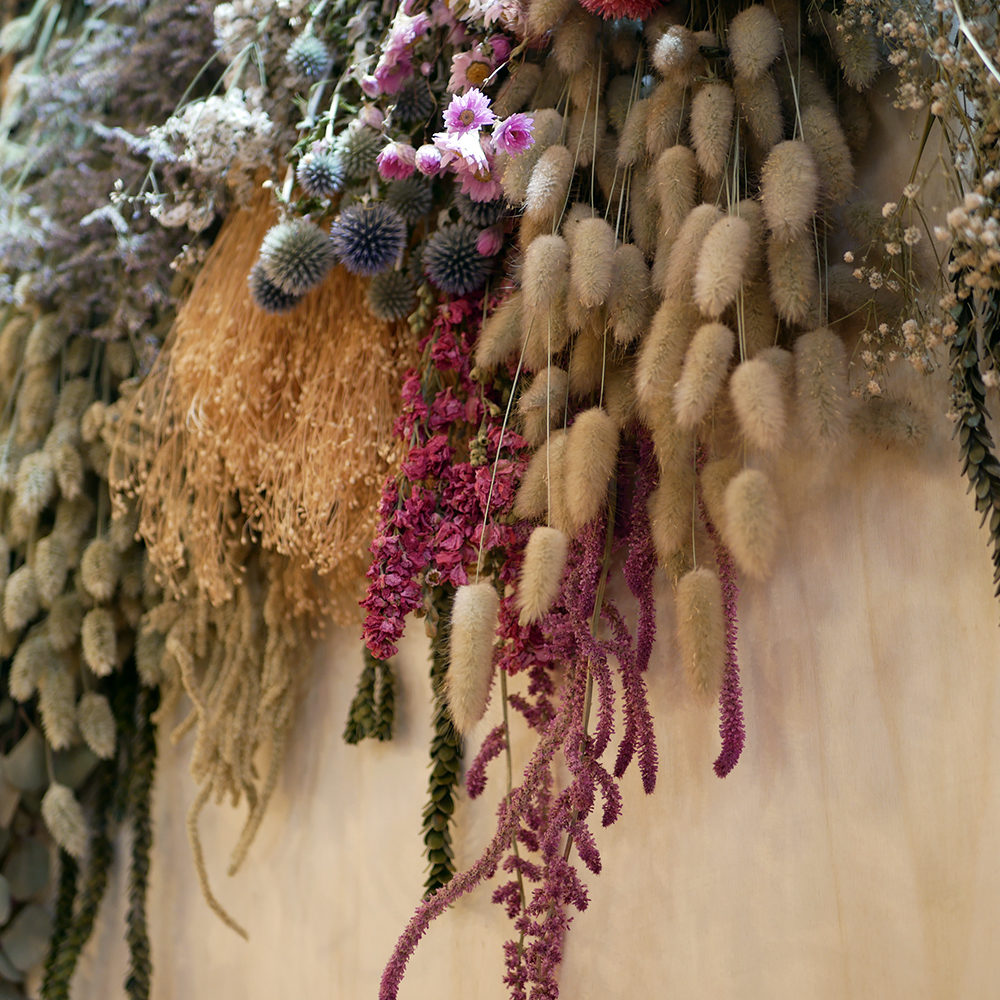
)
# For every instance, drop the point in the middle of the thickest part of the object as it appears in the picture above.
(615, 233)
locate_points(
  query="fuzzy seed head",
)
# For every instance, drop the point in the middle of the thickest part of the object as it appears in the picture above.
(545, 278)
(665, 120)
(789, 188)
(92, 421)
(36, 404)
(632, 140)
(57, 705)
(754, 41)
(856, 48)
(541, 573)
(20, 599)
(532, 500)
(678, 276)
(671, 508)
(619, 394)
(631, 305)
(592, 262)
(701, 631)
(516, 175)
(99, 642)
(675, 54)
(35, 485)
(756, 392)
(715, 476)
(712, 126)
(722, 264)
(591, 456)
(542, 404)
(705, 366)
(30, 661)
(574, 42)
(45, 340)
(120, 359)
(296, 256)
(792, 269)
(99, 568)
(64, 817)
(543, 15)
(618, 100)
(63, 622)
(675, 180)
(470, 670)
(97, 724)
(51, 566)
(643, 216)
(759, 102)
(751, 522)
(821, 388)
(828, 145)
(549, 183)
(500, 334)
(515, 92)
(588, 358)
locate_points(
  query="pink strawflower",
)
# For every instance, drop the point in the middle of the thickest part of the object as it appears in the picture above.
(396, 162)
(490, 241)
(513, 134)
(474, 67)
(464, 146)
(468, 113)
(480, 185)
(427, 160)
(369, 86)
(395, 65)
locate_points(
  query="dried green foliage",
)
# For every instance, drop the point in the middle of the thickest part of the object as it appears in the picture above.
(373, 709)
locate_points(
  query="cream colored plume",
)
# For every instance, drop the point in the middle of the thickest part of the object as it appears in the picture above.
(722, 264)
(591, 455)
(712, 126)
(751, 524)
(701, 631)
(821, 386)
(705, 366)
(470, 667)
(789, 187)
(541, 572)
(756, 392)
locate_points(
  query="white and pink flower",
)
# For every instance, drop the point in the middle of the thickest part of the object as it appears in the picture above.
(397, 161)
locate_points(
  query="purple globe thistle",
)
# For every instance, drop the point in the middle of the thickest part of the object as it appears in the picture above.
(267, 295)
(296, 256)
(481, 214)
(391, 295)
(412, 198)
(368, 238)
(358, 147)
(308, 57)
(415, 102)
(452, 262)
(320, 173)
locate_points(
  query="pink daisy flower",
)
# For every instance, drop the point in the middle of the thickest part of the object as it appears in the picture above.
(466, 146)
(513, 134)
(480, 185)
(468, 113)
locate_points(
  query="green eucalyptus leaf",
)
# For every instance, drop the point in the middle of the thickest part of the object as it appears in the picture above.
(26, 868)
(26, 938)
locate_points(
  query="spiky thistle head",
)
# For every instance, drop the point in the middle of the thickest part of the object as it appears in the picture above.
(308, 57)
(295, 256)
(320, 173)
(358, 147)
(391, 295)
(452, 262)
(481, 214)
(414, 102)
(368, 238)
(412, 198)
(267, 295)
